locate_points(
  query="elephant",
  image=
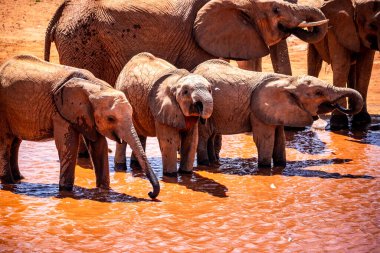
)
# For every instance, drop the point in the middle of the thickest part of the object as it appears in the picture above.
(349, 46)
(90, 33)
(40, 101)
(279, 55)
(167, 102)
(263, 103)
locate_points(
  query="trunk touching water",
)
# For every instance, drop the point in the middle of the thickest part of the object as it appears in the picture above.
(132, 139)
(356, 100)
(313, 19)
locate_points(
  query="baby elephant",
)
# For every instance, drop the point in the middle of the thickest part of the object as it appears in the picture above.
(167, 103)
(40, 101)
(264, 103)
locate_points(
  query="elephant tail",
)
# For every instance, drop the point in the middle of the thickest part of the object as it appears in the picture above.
(49, 35)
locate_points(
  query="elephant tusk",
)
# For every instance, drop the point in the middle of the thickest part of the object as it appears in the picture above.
(305, 24)
(121, 141)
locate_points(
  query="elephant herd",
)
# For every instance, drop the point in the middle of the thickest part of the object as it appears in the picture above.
(133, 69)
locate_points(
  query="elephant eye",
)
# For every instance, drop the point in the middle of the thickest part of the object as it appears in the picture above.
(185, 92)
(111, 119)
(276, 10)
(319, 93)
(373, 26)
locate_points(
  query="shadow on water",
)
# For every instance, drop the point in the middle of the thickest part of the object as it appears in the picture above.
(369, 134)
(196, 182)
(78, 193)
(243, 167)
(305, 140)
(192, 181)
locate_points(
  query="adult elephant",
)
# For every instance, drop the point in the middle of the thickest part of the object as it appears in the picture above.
(349, 46)
(102, 36)
(279, 55)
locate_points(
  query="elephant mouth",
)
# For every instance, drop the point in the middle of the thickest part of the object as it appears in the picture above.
(327, 107)
(116, 138)
(373, 42)
(196, 109)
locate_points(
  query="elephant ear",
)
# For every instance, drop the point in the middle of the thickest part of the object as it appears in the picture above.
(274, 104)
(72, 103)
(162, 100)
(341, 19)
(224, 30)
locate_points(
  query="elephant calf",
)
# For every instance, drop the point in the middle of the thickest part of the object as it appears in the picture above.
(167, 102)
(264, 103)
(40, 101)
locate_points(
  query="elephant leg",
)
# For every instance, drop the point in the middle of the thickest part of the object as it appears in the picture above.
(217, 146)
(314, 61)
(212, 154)
(6, 176)
(67, 143)
(14, 159)
(120, 160)
(279, 153)
(134, 163)
(99, 156)
(363, 71)
(340, 63)
(204, 134)
(279, 55)
(253, 64)
(202, 155)
(83, 151)
(189, 143)
(264, 138)
(169, 140)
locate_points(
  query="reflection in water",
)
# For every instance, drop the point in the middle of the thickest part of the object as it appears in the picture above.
(78, 193)
(235, 207)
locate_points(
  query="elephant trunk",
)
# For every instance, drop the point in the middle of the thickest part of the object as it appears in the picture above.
(311, 18)
(356, 100)
(132, 139)
(204, 104)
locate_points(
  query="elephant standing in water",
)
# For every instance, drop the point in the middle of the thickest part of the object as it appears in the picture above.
(167, 102)
(279, 55)
(263, 103)
(349, 46)
(40, 101)
(102, 36)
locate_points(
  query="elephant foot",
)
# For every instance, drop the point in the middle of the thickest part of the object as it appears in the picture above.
(203, 163)
(7, 179)
(361, 119)
(185, 171)
(67, 188)
(83, 154)
(120, 167)
(338, 122)
(281, 164)
(170, 174)
(134, 164)
(264, 165)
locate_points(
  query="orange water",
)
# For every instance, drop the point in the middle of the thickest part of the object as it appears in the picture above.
(326, 199)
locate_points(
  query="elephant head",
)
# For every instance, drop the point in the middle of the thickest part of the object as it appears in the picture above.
(98, 108)
(244, 29)
(296, 101)
(354, 22)
(178, 98)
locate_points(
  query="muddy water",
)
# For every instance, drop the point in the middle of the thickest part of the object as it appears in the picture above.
(326, 199)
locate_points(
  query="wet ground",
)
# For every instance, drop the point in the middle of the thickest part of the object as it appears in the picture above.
(326, 199)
